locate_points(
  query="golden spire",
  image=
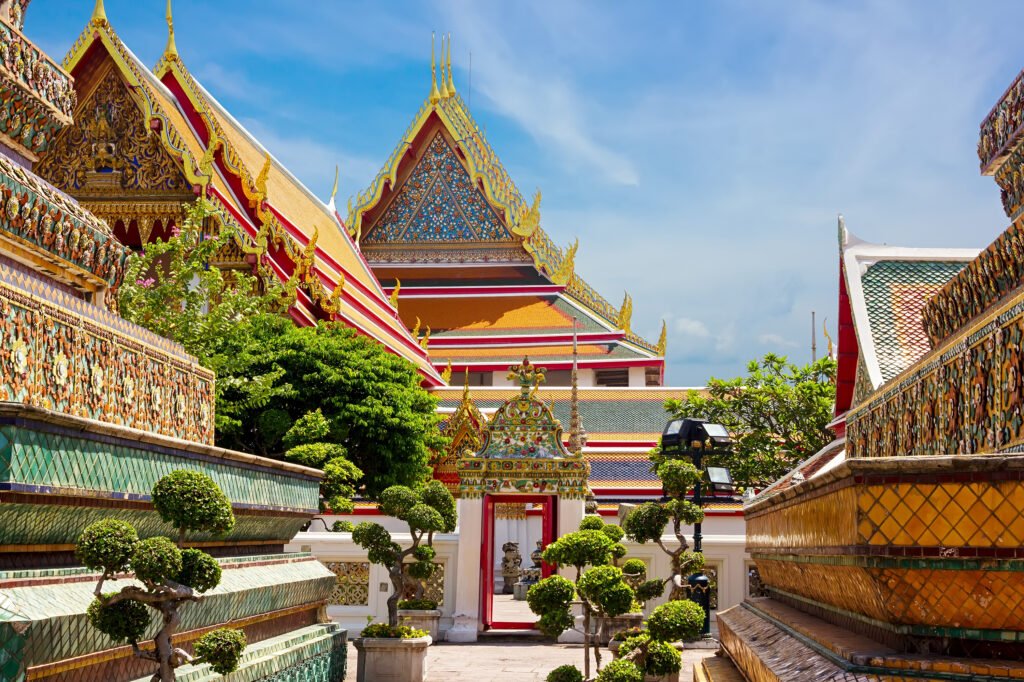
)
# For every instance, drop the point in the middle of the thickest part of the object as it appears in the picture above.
(446, 373)
(444, 78)
(99, 14)
(394, 293)
(465, 386)
(451, 81)
(434, 94)
(663, 339)
(171, 51)
(334, 189)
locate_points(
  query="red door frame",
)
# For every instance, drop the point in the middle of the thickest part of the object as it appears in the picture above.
(549, 527)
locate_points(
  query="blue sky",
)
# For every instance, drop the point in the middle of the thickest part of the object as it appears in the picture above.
(700, 151)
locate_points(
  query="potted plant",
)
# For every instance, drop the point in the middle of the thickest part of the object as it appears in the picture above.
(607, 625)
(171, 576)
(600, 591)
(619, 637)
(421, 614)
(653, 655)
(391, 653)
(428, 510)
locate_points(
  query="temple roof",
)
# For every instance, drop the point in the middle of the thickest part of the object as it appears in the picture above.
(888, 287)
(253, 192)
(443, 196)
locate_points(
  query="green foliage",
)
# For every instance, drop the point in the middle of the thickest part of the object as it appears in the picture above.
(424, 553)
(376, 540)
(435, 495)
(107, 545)
(650, 589)
(675, 620)
(421, 570)
(637, 640)
(316, 455)
(565, 673)
(602, 586)
(613, 532)
(342, 526)
(397, 500)
(310, 428)
(687, 512)
(123, 621)
(646, 522)
(591, 522)
(339, 482)
(156, 560)
(620, 671)
(635, 567)
(424, 517)
(579, 549)
(677, 477)
(221, 649)
(777, 415)
(550, 598)
(623, 635)
(199, 570)
(191, 501)
(385, 631)
(554, 623)
(417, 604)
(662, 658)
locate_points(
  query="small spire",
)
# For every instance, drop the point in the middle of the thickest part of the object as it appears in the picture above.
(434, 94)
(99, 14)
(465, 386)
(451, 82)
(444, 78)
(171, 50)
(334, 191)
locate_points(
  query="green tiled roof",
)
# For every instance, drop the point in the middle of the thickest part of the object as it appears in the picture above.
(895, 292)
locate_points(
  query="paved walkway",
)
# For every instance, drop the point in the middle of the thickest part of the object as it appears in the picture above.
(511, 661)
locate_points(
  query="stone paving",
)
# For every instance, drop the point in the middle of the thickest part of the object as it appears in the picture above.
(505, 661)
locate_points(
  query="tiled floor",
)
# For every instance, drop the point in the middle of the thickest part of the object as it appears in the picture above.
(510, 661)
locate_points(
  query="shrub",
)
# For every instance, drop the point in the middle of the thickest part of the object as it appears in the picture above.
(582, 548)
(437, 496)
(315, 455)
(396, 501)
(191, 501)
(620, 671)
(623, 635)
(680, 619)
(677, 477)
(613, 532)
(662, 659)
(549, 594)
(635, 567)
(554, 623)
(591, 523)
(650, 589)
(383, 630)
(343, 527)
(638, 640)
(156, 560)
(424, 553)
(107, 545)
(222, 649)
(603, 587)
(199, 570)
(417, 604)
(565, 673)
(123, 621)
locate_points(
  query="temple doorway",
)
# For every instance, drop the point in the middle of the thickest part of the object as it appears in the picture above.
(515, 529)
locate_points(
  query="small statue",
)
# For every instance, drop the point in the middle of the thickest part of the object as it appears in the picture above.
(536, 554)
(510, 566)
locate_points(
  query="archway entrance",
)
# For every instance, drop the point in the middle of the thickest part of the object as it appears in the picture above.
(503, 608)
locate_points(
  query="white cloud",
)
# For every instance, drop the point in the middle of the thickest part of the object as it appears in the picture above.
(776, 340)
(693, 328)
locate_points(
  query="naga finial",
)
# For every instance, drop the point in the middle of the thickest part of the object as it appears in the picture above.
(394, 293)
(626, 314)
(451, 81)
(444, 77)
(416, 328)
(663, 339)
(446, 374)
(425, 341)
(334, 188)
(434, 94)
(171, 51)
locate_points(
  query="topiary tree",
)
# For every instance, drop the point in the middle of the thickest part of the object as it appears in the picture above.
(651, 652)
(565, 673)
(429, 510)
(170, 576)
(601, 590)
(647, 523)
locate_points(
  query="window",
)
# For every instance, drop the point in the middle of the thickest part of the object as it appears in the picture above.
(559, 377)
(481, 378)
(652, 376)
(611, 377)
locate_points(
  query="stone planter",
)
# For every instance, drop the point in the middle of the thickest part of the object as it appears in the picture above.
(428, 620)
(613, 646)
(392, 660)
(673, 677)
(607, 627)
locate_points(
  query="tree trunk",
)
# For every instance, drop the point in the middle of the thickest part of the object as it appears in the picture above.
(398, 585)
(586, 641)
(164, 648)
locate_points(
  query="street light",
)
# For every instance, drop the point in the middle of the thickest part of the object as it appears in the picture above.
(694, 437)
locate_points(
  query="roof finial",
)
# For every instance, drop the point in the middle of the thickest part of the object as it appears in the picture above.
(334, 190)
(451, 81)
(171, 51)
(444, 77)
(99, 14)
(434, 94)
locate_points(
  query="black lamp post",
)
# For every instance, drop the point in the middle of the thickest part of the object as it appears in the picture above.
(692, 437)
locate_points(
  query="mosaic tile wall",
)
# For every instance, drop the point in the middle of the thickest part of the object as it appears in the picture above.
(966, 397)
(67, 355)
(438, 203)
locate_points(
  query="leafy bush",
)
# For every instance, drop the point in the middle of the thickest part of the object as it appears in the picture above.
(662, 659)
(549, 594)
(675, 620)
(156, 560)
(311, 427)
(635, 567)
(579, 549)
(315, 455)
(107, 545)
(650, 589)
(613, 532)
(199, 570)
(565, 673)
(421, 570)
(424, 553)
(677, 477)
(620, 671)
(397, 500)
(638, 640)
(339, 482)
(222, 649)
(124, 621)
(191, 501)
(376, 540)
(591, 523)
(417, 604)
(385, 631)
(554, 623)
(343, 527)
(603, 587)
(435, 495)
(646, 522)
(623, 635)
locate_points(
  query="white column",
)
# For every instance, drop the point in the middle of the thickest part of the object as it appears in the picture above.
(570, 513)
(466, 614)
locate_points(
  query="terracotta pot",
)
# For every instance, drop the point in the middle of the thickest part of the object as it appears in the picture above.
(391, 660)
(421, 619)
